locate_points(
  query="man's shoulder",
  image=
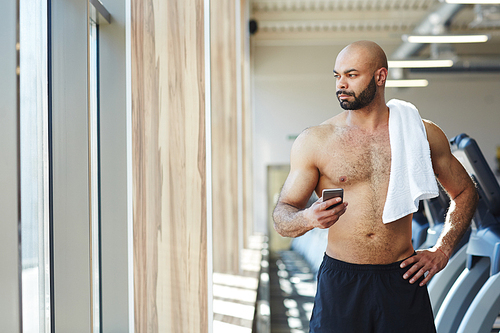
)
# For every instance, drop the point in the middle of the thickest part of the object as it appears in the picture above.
(432, 130)
(312, 140)
(321, 132)
(435, 136)
(330, 127)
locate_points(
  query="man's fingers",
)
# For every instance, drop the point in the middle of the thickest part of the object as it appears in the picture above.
(417, 269)
(418, 275)
(326, 204)
(328, 218)
(327, 213)
(426, 279)
(408, 261)
(422, 265)
(410, 272)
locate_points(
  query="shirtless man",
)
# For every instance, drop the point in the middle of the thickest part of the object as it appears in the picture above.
(352, 151)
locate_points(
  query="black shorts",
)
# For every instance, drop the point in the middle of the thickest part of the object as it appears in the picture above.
(355, 298)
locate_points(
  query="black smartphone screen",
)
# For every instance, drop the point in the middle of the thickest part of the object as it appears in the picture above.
(333, 193)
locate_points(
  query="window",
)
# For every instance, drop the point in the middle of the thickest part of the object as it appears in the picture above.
(35, 233)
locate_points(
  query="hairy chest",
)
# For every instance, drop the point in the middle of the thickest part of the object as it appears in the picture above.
(358, 158)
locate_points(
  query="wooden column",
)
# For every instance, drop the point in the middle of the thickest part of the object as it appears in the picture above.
(169, 177)
(224, 136)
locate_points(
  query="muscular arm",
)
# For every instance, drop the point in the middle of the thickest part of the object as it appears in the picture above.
(289, 221)
(291, 218)
(463, 202)
(459, 186)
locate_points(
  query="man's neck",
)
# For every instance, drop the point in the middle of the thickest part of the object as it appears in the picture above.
(369, 118)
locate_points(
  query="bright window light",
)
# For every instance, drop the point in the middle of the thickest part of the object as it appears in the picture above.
(246, 282)
(473, 1)
(294, 322)
(232, 309)
(428, 63)
(222, 327)
(34, 167)
(265, 310)
(406, 83)
(446, 39)
(232, 293)
(94, 169)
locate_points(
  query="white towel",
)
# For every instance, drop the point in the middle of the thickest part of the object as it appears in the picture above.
(412, 177)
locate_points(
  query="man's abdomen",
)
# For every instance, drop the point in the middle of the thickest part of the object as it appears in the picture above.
(370, 242)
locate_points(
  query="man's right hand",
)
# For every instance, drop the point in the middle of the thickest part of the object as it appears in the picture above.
(320, 217)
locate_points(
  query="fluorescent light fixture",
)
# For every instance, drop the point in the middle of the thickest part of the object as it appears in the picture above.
(446, 39)
(427, 63)
(406, 83)
(473, 2)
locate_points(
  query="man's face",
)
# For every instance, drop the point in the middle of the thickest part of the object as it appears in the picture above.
(360, 101)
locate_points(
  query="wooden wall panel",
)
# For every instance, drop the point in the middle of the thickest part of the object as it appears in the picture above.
(169, 178)
(224, 136)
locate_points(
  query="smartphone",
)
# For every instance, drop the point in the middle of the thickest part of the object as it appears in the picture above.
(333, 193)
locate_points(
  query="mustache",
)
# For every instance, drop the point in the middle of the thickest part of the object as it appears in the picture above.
(345, 92)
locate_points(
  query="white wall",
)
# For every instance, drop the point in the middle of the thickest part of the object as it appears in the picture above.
(294, 88)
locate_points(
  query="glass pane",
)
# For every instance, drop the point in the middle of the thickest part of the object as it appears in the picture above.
(34, 167)
(94, 168)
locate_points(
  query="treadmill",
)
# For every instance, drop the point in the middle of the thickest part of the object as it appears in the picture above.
(473, 302)
(484, 242)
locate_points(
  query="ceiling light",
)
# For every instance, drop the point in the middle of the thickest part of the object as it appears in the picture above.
(427, 63)
(473, 1)
(406, 83)
(446, 39)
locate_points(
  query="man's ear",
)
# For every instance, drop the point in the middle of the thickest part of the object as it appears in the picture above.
(381, 76)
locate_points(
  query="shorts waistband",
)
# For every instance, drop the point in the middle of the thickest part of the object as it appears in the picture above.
(336, 264)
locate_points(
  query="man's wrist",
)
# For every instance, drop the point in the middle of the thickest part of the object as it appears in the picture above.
(305, 218)
(439, 249)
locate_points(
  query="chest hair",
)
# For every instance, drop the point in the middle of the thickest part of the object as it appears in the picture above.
(360, 157)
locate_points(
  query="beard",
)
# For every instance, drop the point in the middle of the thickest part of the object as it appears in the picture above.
(364, 98)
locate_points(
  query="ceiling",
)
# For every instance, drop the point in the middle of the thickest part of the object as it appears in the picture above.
(339, 22)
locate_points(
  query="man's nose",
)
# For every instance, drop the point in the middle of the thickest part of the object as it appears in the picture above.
(341, 84)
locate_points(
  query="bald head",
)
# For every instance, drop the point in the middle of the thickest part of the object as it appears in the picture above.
(361, 73)
(369, 52)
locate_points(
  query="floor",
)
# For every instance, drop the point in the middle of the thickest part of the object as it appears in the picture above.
(292, 289)
(235, 296)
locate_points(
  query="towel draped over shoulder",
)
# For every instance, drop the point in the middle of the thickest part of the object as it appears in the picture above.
(412, 176)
